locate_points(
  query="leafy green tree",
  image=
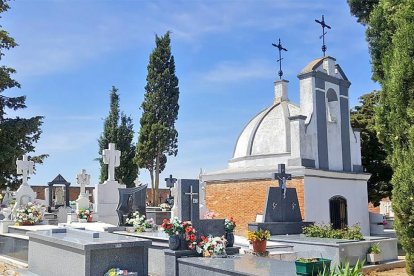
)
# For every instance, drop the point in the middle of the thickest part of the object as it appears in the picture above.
(17, 135)
(157, 135)
(362, 9)
(390, 35)
(374, 156)
(118, 129)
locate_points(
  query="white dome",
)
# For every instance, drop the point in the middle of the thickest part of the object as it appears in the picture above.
(267, 134)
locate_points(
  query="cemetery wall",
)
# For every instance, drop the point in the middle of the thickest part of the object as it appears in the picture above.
(73, 192)
(244, 199)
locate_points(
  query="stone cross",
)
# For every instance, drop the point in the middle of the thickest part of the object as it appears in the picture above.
(111, 156)
(192, 200)
(83, 179)
(282, 177)
(25, 168)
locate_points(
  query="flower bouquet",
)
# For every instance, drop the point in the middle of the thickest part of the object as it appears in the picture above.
(210, 215)
(212, 246)
(181, 234)
(229, 226)
(29, 214)
(190, 234)
(165, 206)
(84, 214)
(139, 222)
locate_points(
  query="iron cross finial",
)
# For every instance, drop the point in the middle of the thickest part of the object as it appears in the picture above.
(280, 47)
(323, 25)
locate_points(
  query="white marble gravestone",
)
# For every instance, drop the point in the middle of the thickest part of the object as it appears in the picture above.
(59, 196)
(202, 196)
(106, 195)
(25, 193)
(83, 179)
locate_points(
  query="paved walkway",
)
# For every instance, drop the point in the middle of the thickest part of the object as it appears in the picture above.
(9, 270)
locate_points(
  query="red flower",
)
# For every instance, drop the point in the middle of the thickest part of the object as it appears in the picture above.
(188, 229)
(192, 237)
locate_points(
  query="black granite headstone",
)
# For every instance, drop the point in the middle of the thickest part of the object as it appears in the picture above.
(280, 208)
(131, 200)
(190, 209)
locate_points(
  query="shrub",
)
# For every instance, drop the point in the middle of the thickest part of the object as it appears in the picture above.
(374, 249)
(326, 231)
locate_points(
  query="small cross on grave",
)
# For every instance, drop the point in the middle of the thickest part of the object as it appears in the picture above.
(111, 156)
(281, 176)
(83, 179)
(192, 200)
(25, 168)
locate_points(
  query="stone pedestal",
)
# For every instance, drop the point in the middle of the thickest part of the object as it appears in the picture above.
(24, 195)
(107, 199)
(82, 202)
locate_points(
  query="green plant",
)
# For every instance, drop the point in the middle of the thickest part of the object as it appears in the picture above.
(326, 231)
(374, 249)
(343, 270)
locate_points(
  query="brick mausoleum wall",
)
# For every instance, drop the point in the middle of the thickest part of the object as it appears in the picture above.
(243, 200)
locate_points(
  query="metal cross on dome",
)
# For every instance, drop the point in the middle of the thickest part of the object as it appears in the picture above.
(280, 47)
(323, 25)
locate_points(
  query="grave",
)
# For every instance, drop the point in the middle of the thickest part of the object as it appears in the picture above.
(69, 252)
(83, 199)
(25, 193)
(282, 212)
(61, 197)
(131, 200)
(189, 209)
(106, 195)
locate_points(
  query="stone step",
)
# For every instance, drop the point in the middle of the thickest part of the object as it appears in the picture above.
(283, 255)
(276, 247)
(53, 221)
(49, 216)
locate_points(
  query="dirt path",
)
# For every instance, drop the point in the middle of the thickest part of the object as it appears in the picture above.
(393, 272)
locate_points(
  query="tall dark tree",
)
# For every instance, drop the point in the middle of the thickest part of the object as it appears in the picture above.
(17, 135)
(362, 9)
(374, 156)
(118, 129)
(157, 135)
(390, 35)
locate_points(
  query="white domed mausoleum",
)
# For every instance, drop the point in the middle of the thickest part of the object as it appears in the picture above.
(316, 143)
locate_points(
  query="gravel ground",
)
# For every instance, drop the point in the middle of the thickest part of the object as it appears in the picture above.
(9, 270)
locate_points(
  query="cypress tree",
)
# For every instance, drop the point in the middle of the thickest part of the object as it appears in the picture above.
(157, 135)
(17, 135)
(390, 35)
(118, 129)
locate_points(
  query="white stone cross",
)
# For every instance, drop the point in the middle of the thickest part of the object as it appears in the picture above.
(25, 168)
(83, 179)
(111, 157)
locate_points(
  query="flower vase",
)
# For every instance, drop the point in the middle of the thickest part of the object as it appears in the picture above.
(183, 243)
(89, 219)
(174, 242)
(27, 223)
(259, 246)
(230, 239)
(82, 220)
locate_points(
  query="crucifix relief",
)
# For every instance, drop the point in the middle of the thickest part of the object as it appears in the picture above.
(281, 176)
(112, 157)
(25, 168)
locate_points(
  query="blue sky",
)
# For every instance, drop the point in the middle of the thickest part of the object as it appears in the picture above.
(72, 52)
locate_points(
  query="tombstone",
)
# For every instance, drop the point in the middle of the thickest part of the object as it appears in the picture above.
(62, 214)
(131, 200)
(59, 197)
(282, 212)
(25, 193)
(106, 195)
(203, 205)
(7, 196)
(190, 209)
(59, 180)
(83, 199)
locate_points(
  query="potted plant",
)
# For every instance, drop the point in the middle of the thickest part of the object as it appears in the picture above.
(84, 215)
(374, 254)
(136, 222)
(212, 247)
(29, 214)
(312, 266)
(230, 225)
(258, 239)
(174, 229)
